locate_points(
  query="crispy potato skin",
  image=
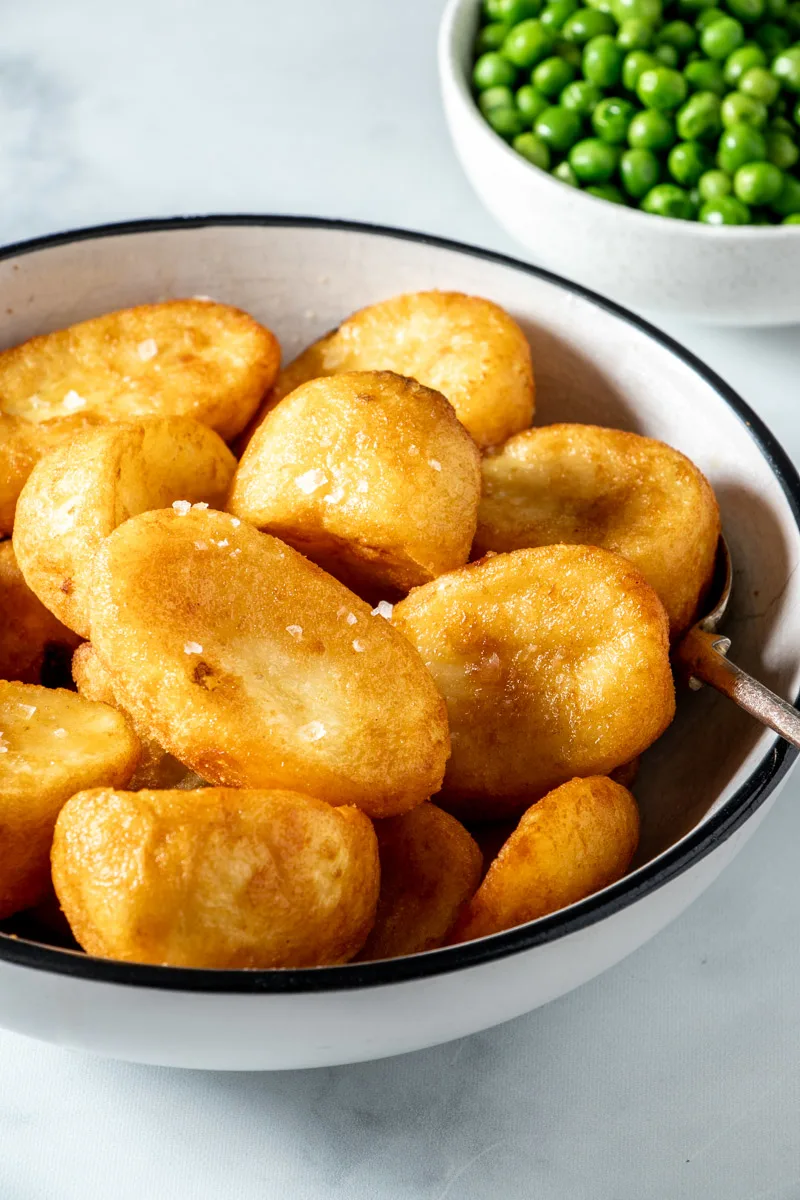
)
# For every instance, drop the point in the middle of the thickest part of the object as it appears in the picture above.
(78, 493)
(430, 868)
(553, 662)
(216, 877)
(31, 639)
(588, 485)
(576, 840)
(211, 362)
(256, 669)
(396, 480)
(465, 347)
(22, 444)
(40, 769)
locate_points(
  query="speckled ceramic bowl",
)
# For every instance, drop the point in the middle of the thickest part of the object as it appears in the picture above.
(734, 275)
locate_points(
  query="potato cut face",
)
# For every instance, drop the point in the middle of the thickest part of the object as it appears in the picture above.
(22, 444)
(34, 646)
(216, 878)
(554, 662)
(369, 474)
(601, 487)
(430, 868)
(189, 358)
(576, 840)
(78, 493)
(465, 347)
(52, 744)
(256, 669)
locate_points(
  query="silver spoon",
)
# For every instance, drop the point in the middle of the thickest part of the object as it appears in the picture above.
(703, 654)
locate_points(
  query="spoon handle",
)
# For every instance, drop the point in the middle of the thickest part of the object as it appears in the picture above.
(702, 654)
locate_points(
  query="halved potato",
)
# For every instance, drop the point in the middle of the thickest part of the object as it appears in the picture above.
(554, 662)
(77, 494)
(34, 646)
(256, 669)
(216, 878)
(52, 744)
(22, 444)
(576, 840)
(190, 358)
(430, 867)
(601, 487)
(465, 347)
(369, 474)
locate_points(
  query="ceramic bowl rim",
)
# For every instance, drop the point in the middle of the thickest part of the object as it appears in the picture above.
(701, 841)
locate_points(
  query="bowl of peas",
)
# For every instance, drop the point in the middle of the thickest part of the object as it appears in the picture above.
(648, 149)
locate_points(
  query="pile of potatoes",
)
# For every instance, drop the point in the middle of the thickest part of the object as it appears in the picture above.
(363, 662)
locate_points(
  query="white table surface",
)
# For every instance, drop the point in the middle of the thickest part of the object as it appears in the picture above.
(675, 1076)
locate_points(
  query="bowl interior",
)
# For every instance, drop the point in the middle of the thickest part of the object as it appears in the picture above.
(592, 364)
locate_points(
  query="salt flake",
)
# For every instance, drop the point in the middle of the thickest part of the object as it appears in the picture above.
(235, 522)
(222, 543)
(72, 401)
(28, 709)
(311, 480)
(201, 504)
(296, 631)
(181, 507)
(358, 646)
(313, 731)
(192, 648)
(351, 618)
(59, 733)
(147, 349)
(434, 462)
(383, 609)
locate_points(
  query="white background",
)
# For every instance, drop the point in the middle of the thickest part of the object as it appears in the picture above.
(675, 1076)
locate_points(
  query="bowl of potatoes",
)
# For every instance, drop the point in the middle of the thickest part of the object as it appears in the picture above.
(341, 574)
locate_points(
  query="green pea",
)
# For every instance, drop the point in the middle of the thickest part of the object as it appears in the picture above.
(641, 10)
(530, 102)
(528, 43)
(797, 114)
(707, 17)
(511, 11)
(776, 8)
(792, 219)
(611, 118)
(726, 210)
(792, 16)
(760, 84)
(786, 68)
(746, 10)
(678, 34)
(569, 52)
(787, 203)
(492, 70)
(603, 6)
(556, 13)
(651, 130)
(586, 24)
(508, 122)
(705, 75)
(495, 97)
(639, 171)
(602, 61)
(551, 76)
(593, 160)
(772, 38)
(581, 96)
(687, 161)
(742, 60)
(634, 64)
(534, 149)
(635, 34)
(758, 183)
(559, 127)
(491, 37)
(699, 117)
(720, 39)
(565, 173)
(739, 145)
(607, 191)
(696, 6)
(781, 125)
(668, 200)
(738, 109)
(667, 56)
(712, 185)
(661, 88)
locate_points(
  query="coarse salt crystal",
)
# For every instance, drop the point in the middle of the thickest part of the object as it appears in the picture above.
(383, 609)
(313, 731)
(358, 646)
(413, 449)
(296, 631)
(192, 648)
(147, 349)
(201, 545)
(335, 496)
(181, 507)
(351, 618)
(362, 486)
(28, 709)
(59, 733)
(72, 401)
(201, 504)
(434, 462)
(235, 522)
(223, 542)
(311, 480)
(238, 550)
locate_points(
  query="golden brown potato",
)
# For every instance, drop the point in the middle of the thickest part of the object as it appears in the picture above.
(189, 358)
(157, 768)
(216, 878)
(22, 444)
(601, 487)
(256, 669)
(369, 474)
(78, 493)
(52, 744)
(430, 867)
(576, 840)
(554, 662)
(34, 646)
(467, 348)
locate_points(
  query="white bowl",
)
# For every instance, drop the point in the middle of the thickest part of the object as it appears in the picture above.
(736, 275)
(703, 788)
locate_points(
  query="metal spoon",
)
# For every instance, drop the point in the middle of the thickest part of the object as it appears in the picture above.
(703, 654)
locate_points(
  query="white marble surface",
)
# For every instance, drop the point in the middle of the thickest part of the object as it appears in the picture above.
(675, 1076)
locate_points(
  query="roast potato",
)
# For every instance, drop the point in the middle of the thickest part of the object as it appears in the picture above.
(190, 358)
(465, 347)
(430, 867)
(78, 493)
(577, 839)
(52, 744)
(22, 444)
(554, 662)
(369, 474)
(215, 878)
(601, 487)
(34, 646)
(257, 669)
